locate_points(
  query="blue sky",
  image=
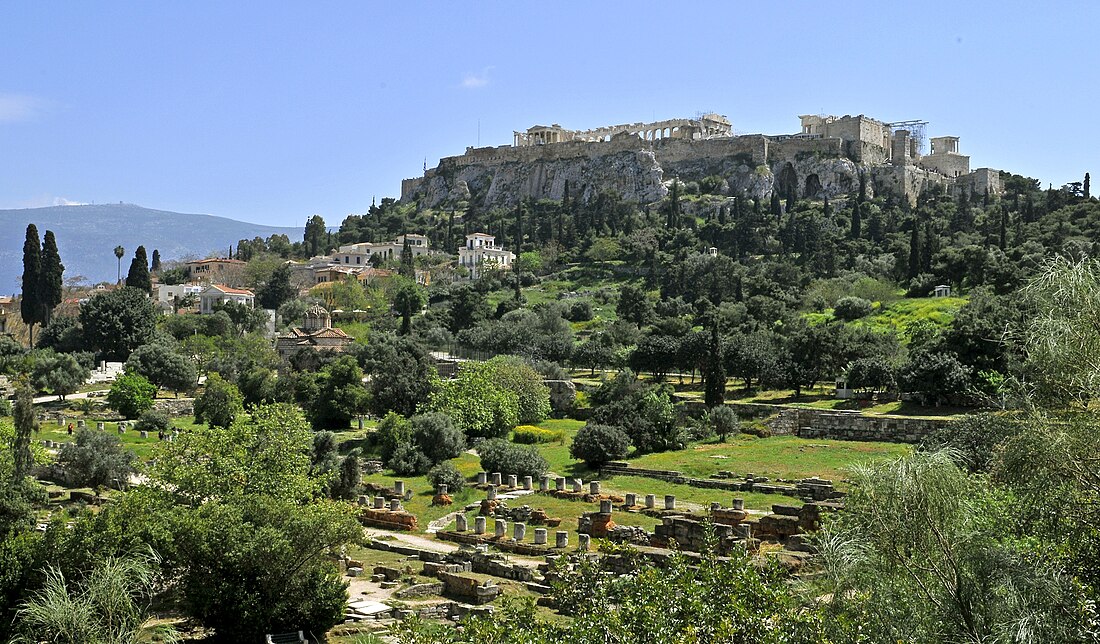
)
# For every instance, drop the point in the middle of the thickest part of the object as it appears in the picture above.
(271, 112)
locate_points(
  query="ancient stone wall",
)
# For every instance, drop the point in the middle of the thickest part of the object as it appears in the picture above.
(816, 423)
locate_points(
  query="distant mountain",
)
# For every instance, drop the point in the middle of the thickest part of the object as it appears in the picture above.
(87, 236)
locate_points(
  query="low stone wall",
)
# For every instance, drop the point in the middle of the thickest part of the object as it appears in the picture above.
(853, 426)
(389, 520)
(811, 489)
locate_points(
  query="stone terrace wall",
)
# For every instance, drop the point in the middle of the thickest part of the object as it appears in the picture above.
(853, 426)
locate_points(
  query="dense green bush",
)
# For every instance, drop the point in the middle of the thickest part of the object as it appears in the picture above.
(392, 431)
(220, 402)
(498, 455)
(408, 460)
(598, 444)
(437, 437)
(131, 395)
(95, 459)
(529, 435)
(852, 308)
(153, 421)
(447, 474)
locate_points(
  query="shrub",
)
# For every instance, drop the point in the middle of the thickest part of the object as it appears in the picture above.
(437, 437)
(851, 308)
(579, 311)
(153, 421)
(408, 460)
(447, 474)
(5, 407)
(598, 444)
(498, 455)
(131, 395)
(529, 435)
(220, 402)
(392, 432)
(724, 421)
(95, 459)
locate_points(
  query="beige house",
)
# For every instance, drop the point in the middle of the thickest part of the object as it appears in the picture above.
(360, 254)
(216, 270)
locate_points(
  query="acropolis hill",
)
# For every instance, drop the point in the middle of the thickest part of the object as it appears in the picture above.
(639, 160)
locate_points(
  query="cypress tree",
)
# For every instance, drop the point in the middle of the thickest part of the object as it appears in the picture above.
(155, 265)
(1085, 188)
(914, 251)
(25, 424)
(49, 284)
(138, 276)
(1004, 226)
(30, 307)
(857, 222)
(715, 375)
(407, 269)
(777, 206)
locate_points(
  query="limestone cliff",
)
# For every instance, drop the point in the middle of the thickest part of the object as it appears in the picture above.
(639, 171)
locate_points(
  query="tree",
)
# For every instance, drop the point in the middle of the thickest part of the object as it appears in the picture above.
(340, 395)
(476, 403)
(933, 376)
(138, 276)
(315, 235)
(447, 474)
(714, 371)
(532, 395)
(406, 269)
(163, 366)
(724, 420)
(634, 305)
(63, 335)
(26, 423)
(58, 373)
(117, 322)
(112, 605)
(131, 395)
(120, 252)
(924, 552)
(246, 532)
(467, 308)
(599, 444)
(219, 404)
(407, 301)
(30, 305)
(402, 374)
(50, 277)
(277, 290)
(595, 352)
(154, 263)
(95, 459)
(437, 437)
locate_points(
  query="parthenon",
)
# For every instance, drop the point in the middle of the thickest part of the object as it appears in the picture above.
(705, 126)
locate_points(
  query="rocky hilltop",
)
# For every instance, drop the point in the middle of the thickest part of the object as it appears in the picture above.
(827, 159)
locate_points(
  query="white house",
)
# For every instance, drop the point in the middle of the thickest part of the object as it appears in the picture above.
(360, 254)
(480, 251)
(217, 294)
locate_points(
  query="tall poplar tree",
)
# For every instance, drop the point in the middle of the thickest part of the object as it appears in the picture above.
(49, 278)
(30, 308)
(138, 276)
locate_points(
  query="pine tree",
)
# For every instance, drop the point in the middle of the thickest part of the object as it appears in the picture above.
(155, 266)
(30, 307)
(138, 276)
(49, 278)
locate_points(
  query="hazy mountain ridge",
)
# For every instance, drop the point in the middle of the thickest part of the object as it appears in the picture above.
(87, 236)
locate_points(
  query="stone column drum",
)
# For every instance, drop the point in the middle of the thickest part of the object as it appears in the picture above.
(479, 525)
(561, 539)
(540, 536)
(461, 524)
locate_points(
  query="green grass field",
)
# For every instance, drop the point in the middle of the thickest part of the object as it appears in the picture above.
(785, 457)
